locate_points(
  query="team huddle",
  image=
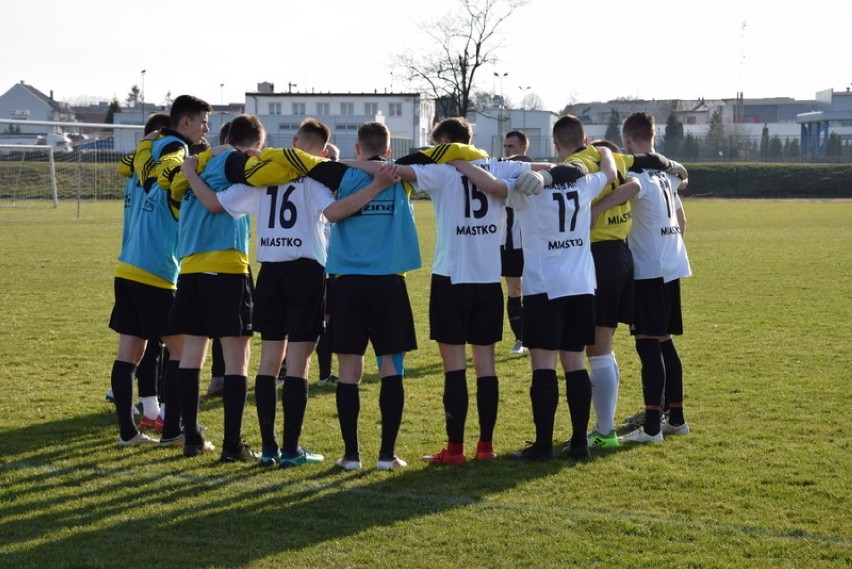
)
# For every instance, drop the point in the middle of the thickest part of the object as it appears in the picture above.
(591, 242)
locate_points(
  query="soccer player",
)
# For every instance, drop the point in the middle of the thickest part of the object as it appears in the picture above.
(324, 353)
(369, 254)
(660, 261)
(147, 272)
(466, 300)
(559, 283)
(613, 264)
(515, 146)
(217, 367)
(214, 297)
(288, 312)
(148, 370)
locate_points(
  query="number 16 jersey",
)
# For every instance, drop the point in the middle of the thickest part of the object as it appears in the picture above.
(290, 223)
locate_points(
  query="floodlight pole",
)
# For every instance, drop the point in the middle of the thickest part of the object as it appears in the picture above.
(142, 96)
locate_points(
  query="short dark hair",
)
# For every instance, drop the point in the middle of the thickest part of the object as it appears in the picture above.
(454, 129)
(312, 128)
(187, 105)
(223, 132)
(374, 138)
(639, 125)
(568, 131)
(520, 135)
(246, 130)
(157, 121)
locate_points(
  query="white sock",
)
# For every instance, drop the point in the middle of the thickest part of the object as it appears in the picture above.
(603, 374)
(150, 406)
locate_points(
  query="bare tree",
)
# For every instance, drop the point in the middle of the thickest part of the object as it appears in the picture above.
(463, 42)
(532, 102)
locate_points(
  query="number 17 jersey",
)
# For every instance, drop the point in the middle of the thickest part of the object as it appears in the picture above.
(556, 227)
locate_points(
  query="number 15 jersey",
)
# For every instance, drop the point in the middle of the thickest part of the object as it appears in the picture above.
(469, 221)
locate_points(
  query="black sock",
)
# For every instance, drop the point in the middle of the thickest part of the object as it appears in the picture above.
(234, 404)
(515, 310)
(653, 381)
(391, 404)
(487, 398)
(171, 424)
(455, 404)
(121, 381)
(217, 367)
(187, 386)
(578, 390)
(544, 394)
(266, 402)
(348, 408)
(295, 400)
(674, 382)
(324, 353)
(148, 370)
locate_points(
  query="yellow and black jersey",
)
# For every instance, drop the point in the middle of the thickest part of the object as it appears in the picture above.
(268, 167)
(444, 153)
(616, 222)
(125, 167)
(172, 149)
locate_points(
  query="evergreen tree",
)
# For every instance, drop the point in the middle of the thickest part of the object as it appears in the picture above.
(134, 97)
(833, 147)
(764, 143)
(775, 149)
(613, 128)
(690, 148)
(674, 136)
(716, 136)
(114, 107)
(793, 151)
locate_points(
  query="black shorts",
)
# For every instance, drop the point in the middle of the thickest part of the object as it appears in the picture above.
(371, 308)
(614, 292)
(657, 308)
(511, 262)
(288, 301)
(213, 305)
(564, 323)
(470, 313)
(141, 310)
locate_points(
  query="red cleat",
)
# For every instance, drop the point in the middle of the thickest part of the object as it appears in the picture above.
(444, 457)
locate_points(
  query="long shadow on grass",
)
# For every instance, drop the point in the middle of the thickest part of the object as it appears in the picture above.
(74, 505)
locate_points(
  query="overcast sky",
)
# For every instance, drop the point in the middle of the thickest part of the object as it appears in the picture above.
(561, 50)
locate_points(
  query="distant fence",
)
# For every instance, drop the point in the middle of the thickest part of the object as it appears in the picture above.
(730, 148)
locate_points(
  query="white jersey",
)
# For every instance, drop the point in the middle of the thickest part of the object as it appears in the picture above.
(469, 221)
(557, 247)
(655, 240)
(290, 223)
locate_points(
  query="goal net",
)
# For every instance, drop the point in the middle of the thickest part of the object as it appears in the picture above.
(27, 176)
(43, 163)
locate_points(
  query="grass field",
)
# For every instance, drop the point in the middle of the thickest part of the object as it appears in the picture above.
(763, 481)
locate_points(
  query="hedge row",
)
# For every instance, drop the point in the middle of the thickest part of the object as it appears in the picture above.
(777, 181)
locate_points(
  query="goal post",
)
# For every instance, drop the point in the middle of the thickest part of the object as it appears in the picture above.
(28, 176)
(84, 164)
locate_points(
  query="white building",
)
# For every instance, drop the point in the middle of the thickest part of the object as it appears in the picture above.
(408, 116)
